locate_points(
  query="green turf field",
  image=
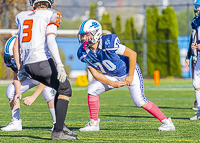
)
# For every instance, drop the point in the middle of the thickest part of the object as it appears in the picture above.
(121, 120)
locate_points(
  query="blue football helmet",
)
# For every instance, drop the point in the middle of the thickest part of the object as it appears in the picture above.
(196, 5)
(8, 54)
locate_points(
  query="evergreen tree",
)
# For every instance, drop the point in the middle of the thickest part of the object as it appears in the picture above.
(133, 33)
(93, 9)
(174, 55)
(118, 27)
(169, 57)
(152, 20)
(140, 51)
(162, 52)
(106, 22)
(127, 35)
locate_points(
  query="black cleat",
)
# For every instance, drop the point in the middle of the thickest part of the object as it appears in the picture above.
(69, 132)
(62, 136)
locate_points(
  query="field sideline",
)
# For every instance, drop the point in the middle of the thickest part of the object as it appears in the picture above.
(121, 120)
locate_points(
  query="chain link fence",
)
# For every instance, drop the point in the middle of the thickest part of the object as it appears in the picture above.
(76, 14)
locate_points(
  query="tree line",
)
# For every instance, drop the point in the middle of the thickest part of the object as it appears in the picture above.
(161, 37)
(162, 33)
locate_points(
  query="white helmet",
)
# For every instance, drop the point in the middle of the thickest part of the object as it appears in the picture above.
(33, 2)
(93, 27)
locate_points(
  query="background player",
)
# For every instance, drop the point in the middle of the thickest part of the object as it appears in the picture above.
(37, 33)
(193, 53)
(102, 53)
(17, 88)
(196, 78)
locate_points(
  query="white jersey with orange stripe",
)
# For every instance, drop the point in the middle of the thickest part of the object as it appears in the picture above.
(33, 29)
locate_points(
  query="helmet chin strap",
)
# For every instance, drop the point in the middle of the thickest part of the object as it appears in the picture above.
(84, 44)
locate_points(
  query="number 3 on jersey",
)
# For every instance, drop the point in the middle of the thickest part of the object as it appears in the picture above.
(28, 30)
(29, 24)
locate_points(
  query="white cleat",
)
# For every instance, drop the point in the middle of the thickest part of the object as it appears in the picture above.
(167, 125)
(196, 116)
(194, 108)
(15, 125)
(91, 126)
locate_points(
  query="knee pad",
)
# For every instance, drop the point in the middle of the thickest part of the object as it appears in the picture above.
(10, 91)
(196, 83)
(48, 94)
(95, 88)
(64, 88)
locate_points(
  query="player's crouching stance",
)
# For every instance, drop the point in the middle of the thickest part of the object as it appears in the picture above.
(37, 31)
(106, 54)
(17, 88)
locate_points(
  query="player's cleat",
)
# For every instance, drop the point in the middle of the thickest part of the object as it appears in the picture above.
(167, 125)
(15, 125)
(69, 132)
(53, 127)
(195, 106)
(196, 116)
(91, 126)
(62, 136)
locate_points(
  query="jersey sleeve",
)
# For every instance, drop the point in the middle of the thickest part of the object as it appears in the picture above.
(51, 29)
(81, 54)
(17, 24)
(121, 49)
(194, 23)
(16, 21)
(112, 43)
(55, 18)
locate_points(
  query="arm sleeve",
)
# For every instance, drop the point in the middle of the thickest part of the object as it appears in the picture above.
(51, 29)
(53, 47)
(121, 49)
(189, 49)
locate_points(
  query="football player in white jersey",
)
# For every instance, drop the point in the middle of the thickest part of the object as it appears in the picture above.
(118, 66)
(37, 31)
(195, 24)
(18, 87)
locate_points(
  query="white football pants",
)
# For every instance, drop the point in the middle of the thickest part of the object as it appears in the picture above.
(47, 93)
(136, 88)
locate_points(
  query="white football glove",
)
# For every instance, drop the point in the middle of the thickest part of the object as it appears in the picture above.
(61, 73)
(22, 75)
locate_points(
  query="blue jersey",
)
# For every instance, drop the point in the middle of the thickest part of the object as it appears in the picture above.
(104, 58)
(195, 24)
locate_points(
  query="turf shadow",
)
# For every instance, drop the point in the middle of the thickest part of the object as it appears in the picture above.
(141, 117)
(161, 107)
(34, 137)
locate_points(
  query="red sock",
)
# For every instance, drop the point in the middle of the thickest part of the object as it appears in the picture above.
(94, 105)
(155, 111)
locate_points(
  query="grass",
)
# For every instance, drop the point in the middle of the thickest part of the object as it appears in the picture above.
(121, 120)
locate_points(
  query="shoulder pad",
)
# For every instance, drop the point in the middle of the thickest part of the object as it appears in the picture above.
(195, 22)
(80, 53)
(56, 17)
(110, 41)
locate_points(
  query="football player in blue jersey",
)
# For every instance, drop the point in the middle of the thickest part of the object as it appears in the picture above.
(195, 24)
(118, 67)
(193, 53)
